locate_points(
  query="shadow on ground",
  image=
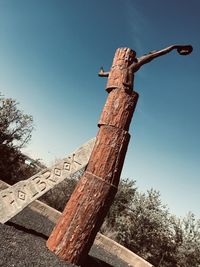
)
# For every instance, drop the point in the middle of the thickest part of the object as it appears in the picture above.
(23, 244)
(94, 262)
(90, 261)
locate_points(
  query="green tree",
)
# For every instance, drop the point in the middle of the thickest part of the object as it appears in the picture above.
(188, 249)
(140, 222)
(58, 196)
(15, 132)
(145, 229)
(15, 126)
(122, 203)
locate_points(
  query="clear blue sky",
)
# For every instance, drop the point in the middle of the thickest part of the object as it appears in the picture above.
(50, 54)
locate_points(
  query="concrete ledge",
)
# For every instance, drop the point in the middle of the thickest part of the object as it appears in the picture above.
(123, 253)
(108, 244)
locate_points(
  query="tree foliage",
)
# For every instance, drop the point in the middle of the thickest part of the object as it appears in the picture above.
(140, 222)
(15, 132)
(58, 196)
(188, 251)
(15, 126)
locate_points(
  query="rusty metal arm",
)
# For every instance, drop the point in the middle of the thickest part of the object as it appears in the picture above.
(181, 49)
(102, 73)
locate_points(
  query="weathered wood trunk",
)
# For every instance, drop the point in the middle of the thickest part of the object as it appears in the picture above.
(84, 213)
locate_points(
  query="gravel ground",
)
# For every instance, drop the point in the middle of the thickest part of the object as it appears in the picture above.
(23, 245)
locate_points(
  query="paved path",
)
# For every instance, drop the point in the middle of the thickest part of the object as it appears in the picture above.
(23, 245)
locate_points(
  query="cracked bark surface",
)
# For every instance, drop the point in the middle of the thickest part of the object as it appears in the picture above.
(84, 213)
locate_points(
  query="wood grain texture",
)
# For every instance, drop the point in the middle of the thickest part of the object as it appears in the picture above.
(84, 213)
(119, 108)
(119, 72)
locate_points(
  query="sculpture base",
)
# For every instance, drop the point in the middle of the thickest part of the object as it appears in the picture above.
(77, 227)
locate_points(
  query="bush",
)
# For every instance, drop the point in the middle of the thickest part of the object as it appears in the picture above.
(15, 132)
(60, 194)
(140, 222)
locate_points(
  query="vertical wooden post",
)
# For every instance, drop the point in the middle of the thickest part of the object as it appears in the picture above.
(84, 213)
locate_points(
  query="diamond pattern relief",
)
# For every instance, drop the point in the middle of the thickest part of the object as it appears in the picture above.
(57, 171)
(21, 195)
(66, 166)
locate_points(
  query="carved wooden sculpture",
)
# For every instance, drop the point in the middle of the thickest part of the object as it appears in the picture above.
(84, 213)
